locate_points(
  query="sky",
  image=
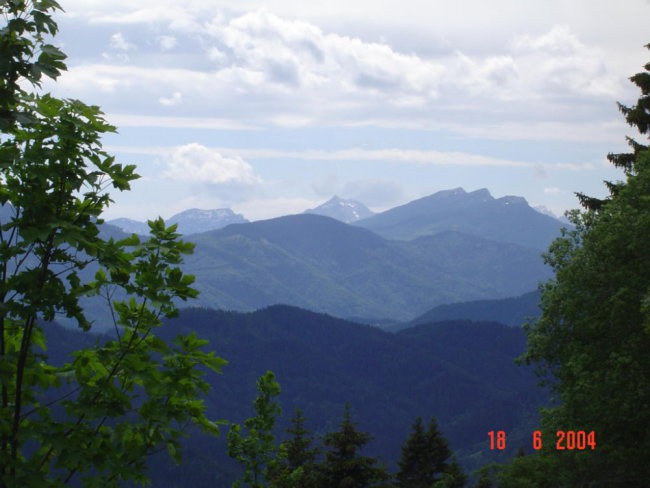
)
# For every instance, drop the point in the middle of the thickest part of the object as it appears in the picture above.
(272, 107)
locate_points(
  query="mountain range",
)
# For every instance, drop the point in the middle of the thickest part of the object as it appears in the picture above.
(507, 219)
(324, 265)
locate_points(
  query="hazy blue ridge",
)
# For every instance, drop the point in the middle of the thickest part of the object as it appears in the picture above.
(507, 219)
(321, 264)
(513, 311)
(189, 221)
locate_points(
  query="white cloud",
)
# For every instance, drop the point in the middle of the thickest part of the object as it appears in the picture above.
(561, 63)
(195, 163)
(399, 155)
(572, 131)
(175, 99)
(394, 155)
(119, 43)
(131, 120)
(166, 42)
(261, 69)
(552, 190)
(182, 18)
(555, 67)
(298, 53)
(119, 48)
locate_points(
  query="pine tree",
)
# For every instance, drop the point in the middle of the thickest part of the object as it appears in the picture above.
(296, 463)
(484, 481)
(344, 466)
(298, 447)
(636, 116)
(425, 456)
(453, 477)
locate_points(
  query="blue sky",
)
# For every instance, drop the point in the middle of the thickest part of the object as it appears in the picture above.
(271, 107)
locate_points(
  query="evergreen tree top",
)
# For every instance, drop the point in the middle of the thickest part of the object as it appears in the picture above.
(637, 116)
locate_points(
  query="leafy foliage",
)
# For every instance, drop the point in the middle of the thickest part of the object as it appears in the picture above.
(25, 55)
(94, 419)
(593, 337)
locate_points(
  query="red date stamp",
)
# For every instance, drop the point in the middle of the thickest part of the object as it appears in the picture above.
(565, 440)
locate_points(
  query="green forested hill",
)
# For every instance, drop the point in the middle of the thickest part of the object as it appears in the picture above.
(460, 372)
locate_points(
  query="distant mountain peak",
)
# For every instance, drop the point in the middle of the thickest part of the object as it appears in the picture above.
(482, 193)
(191, 221)
(197, 213)
(130, 226)
(451, 193)
(195, 220)
(513, 200)
(546, 211)
(343, 209)
(507, 219)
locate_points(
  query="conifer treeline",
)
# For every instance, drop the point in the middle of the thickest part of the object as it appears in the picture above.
(426, 459)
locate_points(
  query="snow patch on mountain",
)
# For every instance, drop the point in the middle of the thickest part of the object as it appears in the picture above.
(345, 210)
(192, 221)
(546, 211)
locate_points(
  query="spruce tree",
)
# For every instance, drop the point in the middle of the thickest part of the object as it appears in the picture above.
(636, 116)
(344, 466)
(453, 477)
(298, 446)
(484, 481)
(296, 463)
(425, 456)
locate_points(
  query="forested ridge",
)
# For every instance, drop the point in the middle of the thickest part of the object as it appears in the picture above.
(460, 372)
